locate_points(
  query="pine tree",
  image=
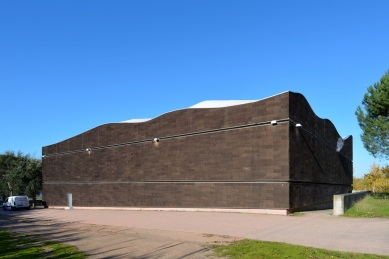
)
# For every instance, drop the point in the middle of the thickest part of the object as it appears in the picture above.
(374, 118)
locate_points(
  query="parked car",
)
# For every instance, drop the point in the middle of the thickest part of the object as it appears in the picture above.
(16, 202)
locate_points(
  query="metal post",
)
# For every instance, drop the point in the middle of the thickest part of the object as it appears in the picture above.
(70, 206)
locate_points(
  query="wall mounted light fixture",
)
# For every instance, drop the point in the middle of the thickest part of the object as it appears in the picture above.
(43, 156)
(298, 125)
(156, 140)
(88, 149)
(274, 122)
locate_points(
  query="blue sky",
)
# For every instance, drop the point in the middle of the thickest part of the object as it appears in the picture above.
(69, 66)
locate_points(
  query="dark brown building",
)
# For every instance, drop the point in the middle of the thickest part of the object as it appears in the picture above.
(273, 154)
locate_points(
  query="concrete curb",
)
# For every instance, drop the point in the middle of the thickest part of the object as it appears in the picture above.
(343, 202)
(250, 211)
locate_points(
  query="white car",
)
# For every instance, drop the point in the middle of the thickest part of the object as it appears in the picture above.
(16, 202)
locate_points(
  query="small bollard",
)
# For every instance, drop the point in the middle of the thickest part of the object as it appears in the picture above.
(70, 206)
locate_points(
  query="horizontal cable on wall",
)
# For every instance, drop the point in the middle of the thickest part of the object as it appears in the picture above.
(321, 141)
(169, 137)
(201, 133)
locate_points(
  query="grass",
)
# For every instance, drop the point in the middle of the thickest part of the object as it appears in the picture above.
(373, 205)
(297, 213)
(250, 249)
(21, 246)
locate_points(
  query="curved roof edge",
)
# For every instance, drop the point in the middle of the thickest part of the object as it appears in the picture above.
(209, 104)
(340, 138)
(220, 103)
(136, 120)
(200, 105)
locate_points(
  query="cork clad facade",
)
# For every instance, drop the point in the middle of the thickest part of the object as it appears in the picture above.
(273, 153)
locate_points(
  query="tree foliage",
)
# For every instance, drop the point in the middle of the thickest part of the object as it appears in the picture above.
(374, 118)
(377, 180)
(20, 175)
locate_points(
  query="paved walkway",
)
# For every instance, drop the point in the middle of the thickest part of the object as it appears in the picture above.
(367, 235)
(119, 242)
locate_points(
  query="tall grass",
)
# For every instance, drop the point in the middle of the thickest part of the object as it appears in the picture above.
(373, 205)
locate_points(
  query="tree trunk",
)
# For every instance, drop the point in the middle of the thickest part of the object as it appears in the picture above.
(9, 189)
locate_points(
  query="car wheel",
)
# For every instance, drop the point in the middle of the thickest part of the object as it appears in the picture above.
(28, 207)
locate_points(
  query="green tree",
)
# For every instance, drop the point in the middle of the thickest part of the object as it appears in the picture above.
(374, 118)
(20, 175)
(30, 172)
(8, 162)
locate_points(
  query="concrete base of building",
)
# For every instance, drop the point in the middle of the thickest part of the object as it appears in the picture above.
(321, 206)
(255, 211)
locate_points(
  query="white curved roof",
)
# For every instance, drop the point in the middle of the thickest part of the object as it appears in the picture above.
(204, 104)
(135, 120)
(220, 103)
(210, 104)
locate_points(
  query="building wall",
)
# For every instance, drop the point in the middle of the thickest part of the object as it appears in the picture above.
(226, 158)
(247, 154)
(173, 195)
(317, 170)
(229, 157)
(313, 194)
(177, 122)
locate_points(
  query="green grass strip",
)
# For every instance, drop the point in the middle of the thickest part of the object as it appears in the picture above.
(13, 245)
(253, 249)
(372, 206)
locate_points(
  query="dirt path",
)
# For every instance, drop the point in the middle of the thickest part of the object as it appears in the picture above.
(101, 241)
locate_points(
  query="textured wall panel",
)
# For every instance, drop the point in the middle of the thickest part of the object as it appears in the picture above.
(311, 157)
(138, 174)
(178, 122)
(247, 154)
(76, 143)
(302, 195)
(184, 195)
